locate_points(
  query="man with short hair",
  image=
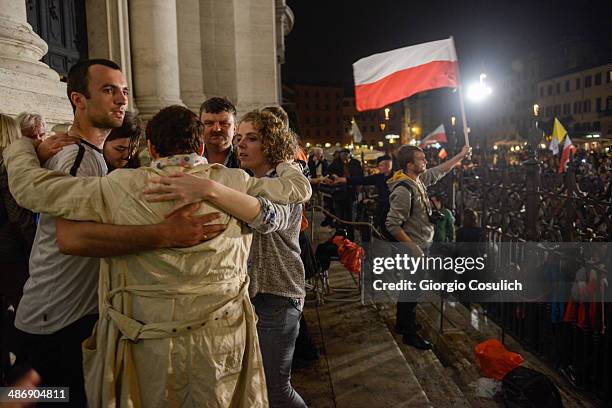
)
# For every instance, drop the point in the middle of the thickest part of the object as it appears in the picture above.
(60, 302)
(408, 221)
(219, 118)
(59, 306)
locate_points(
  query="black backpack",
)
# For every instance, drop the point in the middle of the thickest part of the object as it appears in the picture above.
(526, 388)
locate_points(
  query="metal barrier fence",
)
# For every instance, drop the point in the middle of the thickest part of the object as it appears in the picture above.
(530, 203)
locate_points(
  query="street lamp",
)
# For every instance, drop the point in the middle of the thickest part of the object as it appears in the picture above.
(478, 92)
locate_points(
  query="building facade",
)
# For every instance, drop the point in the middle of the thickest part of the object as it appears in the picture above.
(318, 110)
(509, 111)
(581, 99)
(374, 125)
(171, 51)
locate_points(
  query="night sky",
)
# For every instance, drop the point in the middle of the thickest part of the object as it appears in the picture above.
(330, 35)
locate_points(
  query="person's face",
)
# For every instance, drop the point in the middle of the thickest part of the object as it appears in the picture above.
(318, 155)
(117, 152)
(108, 91)
(219, 129)
(385, 166)
(345, 157)
(248, 142)
(36, 132)
(420, 163)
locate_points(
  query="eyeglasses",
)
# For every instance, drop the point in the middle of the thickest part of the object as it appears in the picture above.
(222, 124)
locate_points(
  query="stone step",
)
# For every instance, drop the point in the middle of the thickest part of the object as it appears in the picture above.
(453, 348)
(478, 327)
(314, 383)
(441, 390)
(366, 367)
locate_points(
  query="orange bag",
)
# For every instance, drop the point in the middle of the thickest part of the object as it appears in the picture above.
(494, 360)
(350, 254)
(303, 223)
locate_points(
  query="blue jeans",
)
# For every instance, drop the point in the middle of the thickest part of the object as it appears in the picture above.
(277, 328)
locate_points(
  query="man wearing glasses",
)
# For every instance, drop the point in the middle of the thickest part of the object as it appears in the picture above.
(219, 118)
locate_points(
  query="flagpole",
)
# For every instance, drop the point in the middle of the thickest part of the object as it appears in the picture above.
(461, 102)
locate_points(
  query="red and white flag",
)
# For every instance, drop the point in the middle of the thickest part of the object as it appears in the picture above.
(382, 79)
(437, 136)
(567, 148)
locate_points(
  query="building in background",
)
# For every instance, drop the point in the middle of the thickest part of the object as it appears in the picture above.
(374, 125)
(582, 100)
(508, 112)
(171, 51)
(318, 113)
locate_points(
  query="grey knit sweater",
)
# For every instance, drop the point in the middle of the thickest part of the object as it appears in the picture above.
(275, 266)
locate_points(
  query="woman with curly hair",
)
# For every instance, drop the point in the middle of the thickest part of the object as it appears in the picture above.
(275, 266)
(276, 272)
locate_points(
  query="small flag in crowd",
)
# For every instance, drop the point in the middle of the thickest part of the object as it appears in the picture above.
(437, 136)
(558, 134)
(554, 145)
(442, 154)
(388, 77)
(565, 156)
(356, 132)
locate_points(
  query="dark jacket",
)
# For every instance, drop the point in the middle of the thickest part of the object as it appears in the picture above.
(347, 191)
(380, 182)
(312, 167)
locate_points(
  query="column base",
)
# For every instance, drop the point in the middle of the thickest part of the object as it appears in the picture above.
(23, 92)
(149, 106)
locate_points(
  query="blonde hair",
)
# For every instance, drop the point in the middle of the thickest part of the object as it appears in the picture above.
(27, 120)
(9, 131)
(278, 143)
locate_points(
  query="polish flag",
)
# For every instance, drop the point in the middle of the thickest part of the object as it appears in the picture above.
(437, 136)
(567, 148)
(382, 79)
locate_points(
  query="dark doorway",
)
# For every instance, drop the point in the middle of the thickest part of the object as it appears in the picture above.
(62, 24)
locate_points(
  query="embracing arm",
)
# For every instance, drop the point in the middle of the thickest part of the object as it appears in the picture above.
(52, 192)
(186, 188)
(290, 187)
(180, 229)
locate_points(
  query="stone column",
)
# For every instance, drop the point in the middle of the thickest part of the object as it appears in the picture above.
(256, 60)
(108, 33)
(26, 84)
(284, 24)
(190, 53)
(239, 51)
(155, 64)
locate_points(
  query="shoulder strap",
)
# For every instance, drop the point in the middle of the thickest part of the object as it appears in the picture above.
(77, 161)
(412, 192)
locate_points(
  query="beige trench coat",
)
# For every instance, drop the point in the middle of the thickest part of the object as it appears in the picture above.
(176, 326)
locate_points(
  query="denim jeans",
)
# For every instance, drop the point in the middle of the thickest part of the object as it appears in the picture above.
(277, 328)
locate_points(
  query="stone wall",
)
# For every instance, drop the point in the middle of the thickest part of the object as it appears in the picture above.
(172, 51)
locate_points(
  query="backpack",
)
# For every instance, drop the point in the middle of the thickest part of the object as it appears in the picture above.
(387, 207)
(526, 388)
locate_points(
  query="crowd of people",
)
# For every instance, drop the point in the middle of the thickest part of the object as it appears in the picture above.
(180, 282)
(173, 260)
